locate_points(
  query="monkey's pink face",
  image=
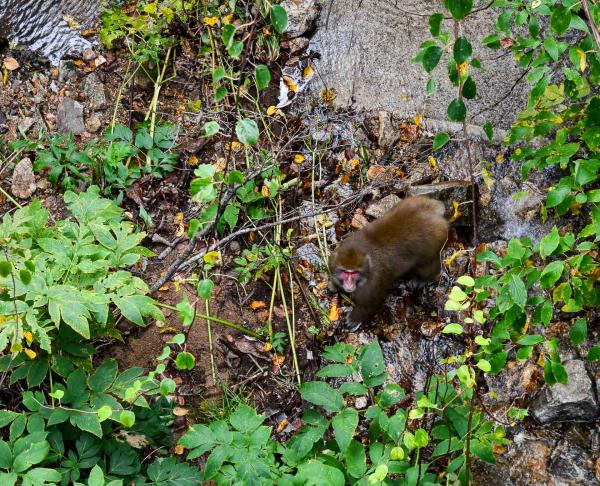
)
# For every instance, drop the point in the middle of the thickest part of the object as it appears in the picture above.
(349, 280)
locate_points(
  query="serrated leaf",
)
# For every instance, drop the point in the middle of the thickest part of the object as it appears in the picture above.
(320, 393)
(247, 131)
(462, 50)
(344, 425)
(457, 111)
(440, 140)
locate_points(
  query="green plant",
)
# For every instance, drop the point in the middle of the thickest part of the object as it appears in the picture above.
(258, 260)
(59, 284)
(324, 450)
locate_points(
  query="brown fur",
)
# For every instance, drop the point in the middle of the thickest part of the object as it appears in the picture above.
(404, 242)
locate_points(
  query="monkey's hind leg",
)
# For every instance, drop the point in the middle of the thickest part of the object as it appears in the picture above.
(430, 271)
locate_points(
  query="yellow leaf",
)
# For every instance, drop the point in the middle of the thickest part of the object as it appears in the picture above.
(257, 304)
(500, 158)
(308, 72)
(210, 21)
(463, 68)
(457, 214)
(212, 257)
(432, 163)
(180, 411)
(328, 95)
(488, 180)
(582, 59)
(16, 347)
(290, 83)
(71, 22)
(448, 261)
(179, 449)
(271, 110)
(11, 63)
(235, 145)
(27, 335)
(268, 347)
(193, 161)
(30, 352)
(228, 19)
(151, 7)
(334, 313)
(299, 158)
(164, 288)
(418, 119)
(265, 191)
(354, 163)
(282, 425)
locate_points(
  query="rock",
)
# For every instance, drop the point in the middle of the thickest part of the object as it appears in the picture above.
(517, 379)
(301, 16)
(379, 208)
(381, 129)
(295, 45)
(530, 201)
(449, 192)
(93, 123)
(94, 92)
(88, 54)
(23, 179)
(66, 71)
(572, 464)
(69, 116)
(25, 124)
(420, 173)
(573, 402)
(311, 254)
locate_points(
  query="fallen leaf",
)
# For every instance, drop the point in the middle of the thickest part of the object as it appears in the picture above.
(328, 95)
(282, 425)
(212, 257)
(193, 161)
(179, 449)
(30, 352)
(506, 42)
(180, 411)
(228, 19)
(457, 214)
(334, 313)
(265, 191)
(257, 304)
(268, 347)
(271, 110)
(308, 72)
(359, 220)
(137, 441)
(71, 22)
(164, 288)
(432, 163)
(278, 360)
(418, 119)
(299, 158)
(290, 83)
(11, 63)
(375, 171)
(582, 59)
(448, 261)
(210, 21)
(488, 180)
(500, 158)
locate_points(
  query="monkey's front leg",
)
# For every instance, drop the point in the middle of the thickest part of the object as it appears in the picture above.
(366, 303)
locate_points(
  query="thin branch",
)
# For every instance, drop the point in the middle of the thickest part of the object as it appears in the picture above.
(591, 23)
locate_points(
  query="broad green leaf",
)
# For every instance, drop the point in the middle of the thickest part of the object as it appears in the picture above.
(457, 111)
(549, 243)
(390, 395)
(453, 329)
(263, 76)
(335, 370)
(488, 128)
(440, 140)
(127, 418)
(279, 18)
(484, 365)
(517, 290)
(245, 419)
(530, 340)
(462, 50)
(320, 393)
(373, 365)
(435, 21)
(431, 57)
(247, 131)
(578, 332)
(356, 459)
(551, 273)
(205, 288)
(560, 19)
(469, 89)
(344, 425)
(466, 280)
(104, 376)
(210, 128)
(227, 35)
(185, 361)
(459, 8)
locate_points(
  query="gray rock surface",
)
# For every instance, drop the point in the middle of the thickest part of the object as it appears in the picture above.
(366, 49)
(94, 92)
(23, 180)
(573, 402)
(301, 16)
(379, 208)
(69, 116)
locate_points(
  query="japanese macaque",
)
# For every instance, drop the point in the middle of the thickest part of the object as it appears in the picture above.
(403, 243)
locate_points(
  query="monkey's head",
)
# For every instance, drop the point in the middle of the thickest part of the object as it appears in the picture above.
(350, 266)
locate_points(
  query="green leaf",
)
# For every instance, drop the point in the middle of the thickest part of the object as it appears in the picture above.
(205, 288)
(488, 128)
(353, 388)
(247, 131)
(127, 419)
(104, 376)
(462, 50)
(210, 128)
(96, 476)
(185, 361)
(236, 49)
(320, 393)
(373, 365)
(457, 111)
(170, 472)
(344, 425)
(33, 454)
(559, 372)
(551, 47)
(459, 8)
(88, 422)
(435, 22)
(530, 340)
(549, 243)
(25, 276)
(263, 76)
(594, 354)
(440, 140)
(315, 473)
(336, 370)
(245, 419)
(390, 395)
(453, 329)
(578, 332)
(143, 139)
(484, 365)
(65, 303)
(557, 196)
(6, 456)
(483, 451)
(469, 89)
(517, 291)
(551, 273)
(466, 281)
(167, 386)
(186, 312)
(431, 58)
(227, 35)
(356, 459)
(560, 20)
(279, 18)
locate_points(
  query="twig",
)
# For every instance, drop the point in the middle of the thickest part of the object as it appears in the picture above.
(591, 23)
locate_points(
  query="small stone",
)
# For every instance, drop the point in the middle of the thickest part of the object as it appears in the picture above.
(421, 173)
(234, 247)
(93, 123)
(66, 71)
(311, 254)
(94, 92)
(296, 45)
(301, 16)
(359, 220)
(89, 54)
(99, 61)
(360, 403)
(23, 179)
(573, 402)
(379, 208)
(25, 124)
(69, 116)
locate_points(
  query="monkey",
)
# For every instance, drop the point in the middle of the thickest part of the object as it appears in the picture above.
(403, 243)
